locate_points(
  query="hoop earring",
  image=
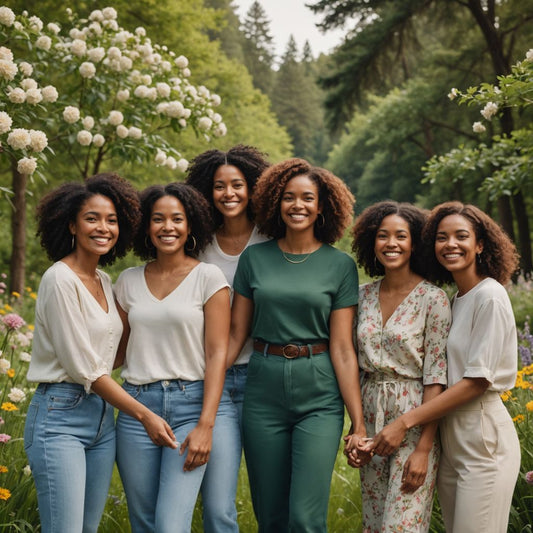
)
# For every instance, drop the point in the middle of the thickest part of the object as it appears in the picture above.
(320, 221)
(194, 244)
(72, 243)
(478, 258)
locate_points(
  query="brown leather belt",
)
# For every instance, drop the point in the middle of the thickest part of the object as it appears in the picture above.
(291, 351)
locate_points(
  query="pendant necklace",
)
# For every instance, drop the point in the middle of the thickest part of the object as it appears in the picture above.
(296, 262)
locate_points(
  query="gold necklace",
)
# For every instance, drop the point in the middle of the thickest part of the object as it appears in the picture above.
(296, 262)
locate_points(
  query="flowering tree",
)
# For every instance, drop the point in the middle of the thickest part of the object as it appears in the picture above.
(505, 160)
(118, 95)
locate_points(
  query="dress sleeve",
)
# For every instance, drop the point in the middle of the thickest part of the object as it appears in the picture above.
(438, 321)
(241, 282)
(119, 290)
(485, 348)
(67, 328)
(348, 291)
(214, 280)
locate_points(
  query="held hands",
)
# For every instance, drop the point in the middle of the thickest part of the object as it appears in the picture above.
(388, 440)
(159, 431)
(414, 471)
(199, 442)
(355, 449)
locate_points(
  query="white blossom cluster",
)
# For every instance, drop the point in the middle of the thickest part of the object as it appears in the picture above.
(21, 95)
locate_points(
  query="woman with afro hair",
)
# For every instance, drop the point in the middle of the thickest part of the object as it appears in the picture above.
(480, 448)
(227, 181)
(69, 435)
(176, 313)
(401, 345)
(297, 295)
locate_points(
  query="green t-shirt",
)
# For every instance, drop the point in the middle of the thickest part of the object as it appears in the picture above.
(293, 302)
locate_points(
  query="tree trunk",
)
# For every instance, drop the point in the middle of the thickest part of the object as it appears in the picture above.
(17, 267)
(505, 215)
(524, 236)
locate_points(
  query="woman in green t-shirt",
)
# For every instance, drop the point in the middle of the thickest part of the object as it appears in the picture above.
(297, 296)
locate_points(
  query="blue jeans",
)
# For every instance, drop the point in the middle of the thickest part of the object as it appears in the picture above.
(161, 496)
(69, 439)
(219, 485)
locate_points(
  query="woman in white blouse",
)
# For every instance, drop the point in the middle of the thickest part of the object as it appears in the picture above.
(480, 448)
(69, 434)
(176, 313)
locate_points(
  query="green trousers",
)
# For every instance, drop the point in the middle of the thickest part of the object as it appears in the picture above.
(293, 416)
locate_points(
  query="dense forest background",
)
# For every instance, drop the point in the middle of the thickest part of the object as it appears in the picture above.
(376, 111)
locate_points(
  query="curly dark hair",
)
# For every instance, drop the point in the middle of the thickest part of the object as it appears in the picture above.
(366, 227)
(499, 258)
(196, 210)
(60, 207)
(334, 197)
(249, 160)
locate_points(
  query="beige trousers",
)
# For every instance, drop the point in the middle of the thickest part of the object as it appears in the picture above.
(479, 466)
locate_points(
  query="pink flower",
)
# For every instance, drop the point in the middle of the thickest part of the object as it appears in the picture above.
(529, 477)
(4, 437)
(13, 321)
(1, 421)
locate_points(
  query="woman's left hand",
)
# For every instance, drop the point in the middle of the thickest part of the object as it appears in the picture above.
(353, 449)
(388, 440)
(198, 442)
(414, 471)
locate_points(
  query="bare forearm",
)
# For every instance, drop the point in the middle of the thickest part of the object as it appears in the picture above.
(213, 385)
(427, 437)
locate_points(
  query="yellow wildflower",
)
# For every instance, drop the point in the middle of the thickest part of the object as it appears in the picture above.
(2, 311)
(31, 327)
(506, 395)
(529, 405)
(7, 307)
(15, 294)
(28, 289)
(8, 406)
(519, 418)
(3, 469)
(11, 373)
(33, 295)
(5, 494)
(527, 370)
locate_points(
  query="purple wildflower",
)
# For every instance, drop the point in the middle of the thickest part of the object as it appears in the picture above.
(4, 437)
(529, 477)
(13, 321)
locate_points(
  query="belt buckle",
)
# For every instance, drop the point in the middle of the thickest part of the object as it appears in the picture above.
(291, 351)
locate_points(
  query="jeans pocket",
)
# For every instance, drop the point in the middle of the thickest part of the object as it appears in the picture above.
(133, 390)
(64, 400)
(29, 426)
(194, 391)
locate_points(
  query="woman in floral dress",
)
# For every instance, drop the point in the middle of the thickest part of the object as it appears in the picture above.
(401, 334)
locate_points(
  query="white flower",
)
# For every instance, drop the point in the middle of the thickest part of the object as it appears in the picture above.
(25, 357)
(88, 123)
(43, 42)
(96, 15)
(95, 28)
(217, 118)
(7, 17)
(84, 137)
(215, 99)
(53, 27)
(123, 95)
(17, 95)
(22, 340)
(160, 157)
(5, 365)
(161, 108)
(122, 131)
(8, 69)
(452, 94)
(125, 63)
(141, 91)
(182, 165)
(182, 122)
(478, 127)
(114, 53)
(71, 114)
(27, 165)
(174, 109)
(141, 32)
(96, 54)
(16, 395)
(33, 96)
(220, 130)
(181, 62)
(98, 140)
(171, 163)
(74, 33)
(109, 13)
(29, 83)
(163, 89)
(87, 70)
(49, 93)
(6, 53)
(39, 141)
(110, 24)
(529, 55)
(115, 118)
(205, 123)
(146, 79)
(19, 139)
(489, 110)
(135, 133)
(35, 23)
(27, 471)
(5, 122)
(26, 68)
(78, 47)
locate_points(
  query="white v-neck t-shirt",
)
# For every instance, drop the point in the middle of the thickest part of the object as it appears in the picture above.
(228, 264)
(75, 339)
(167, 336)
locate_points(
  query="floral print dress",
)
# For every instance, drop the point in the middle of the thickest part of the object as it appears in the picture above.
(398, 359)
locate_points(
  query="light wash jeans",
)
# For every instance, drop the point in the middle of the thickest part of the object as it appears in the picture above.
(219, 485)
(161, 496)
(69, 439)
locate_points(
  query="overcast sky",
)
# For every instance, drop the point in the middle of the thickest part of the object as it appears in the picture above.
(291, 16)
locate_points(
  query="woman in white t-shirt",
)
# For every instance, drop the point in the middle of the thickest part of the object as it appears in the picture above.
(227, 180)
(480, 448)
(176, 314)
(69, 435)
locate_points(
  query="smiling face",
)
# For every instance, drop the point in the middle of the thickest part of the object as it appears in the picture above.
(456, 245)
(393, 244)
(300, 204)
(168, 229)
(96, 226)
(230, 191)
